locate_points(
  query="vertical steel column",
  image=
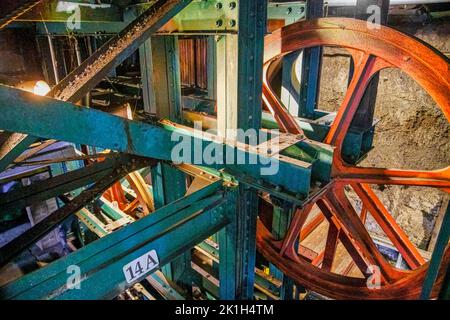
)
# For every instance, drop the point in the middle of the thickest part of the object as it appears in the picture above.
(239, 91)
(436, 260)
(53, 57)
(169, 184)
(227, 85)
(166, 77)
(310, 68)
(148, 93)
(211, 68)
(13, 145)
(289, 89)
(282, 216)
(364, 115)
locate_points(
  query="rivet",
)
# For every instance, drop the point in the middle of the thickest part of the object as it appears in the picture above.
(219, 23)
(219, 5)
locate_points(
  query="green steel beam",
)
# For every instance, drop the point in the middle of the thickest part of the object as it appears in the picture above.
(166, 77)
(68, 11)
(169, 184)
(23, 241)
(88, 74)
(282, 216)
(436, 259)
(146, 65)
(199, 17)
(86, 28)
(12, 145)
(239, 92)
(311, 69)
(101, 263)
(66, 122)
(290, 12)
(57, 185)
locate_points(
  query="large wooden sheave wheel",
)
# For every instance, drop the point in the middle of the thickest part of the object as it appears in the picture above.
(371, 50)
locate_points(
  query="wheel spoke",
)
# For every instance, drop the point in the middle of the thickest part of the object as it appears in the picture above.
(143, 194)
(285, 120)
(330, 247)
(389, 225)
(346, 241)
(365, 67)
(353, 225)
(118, 195)
(437, 178)
(311, 226)
(296, 225)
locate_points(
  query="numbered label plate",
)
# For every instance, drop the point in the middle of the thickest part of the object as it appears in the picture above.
(140, 266)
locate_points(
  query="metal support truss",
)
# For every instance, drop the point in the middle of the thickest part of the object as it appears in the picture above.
(282, 216)
(58, 185)
(87, 75)
(162, 72)
(66, 122)
(364, 116)
(239, 92)
(311, 66)
(20, 8)
(84, 78)
(436, 260)
(17, 245)
(167, 231)
(13, 145)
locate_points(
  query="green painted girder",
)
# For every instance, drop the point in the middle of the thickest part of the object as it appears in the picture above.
(262, 280)
(58, 185)
(13, 248)
(111, 54)
(200, 17)
(356, 143)
(167, 230)
(12, 145)
(58, 11)
(436, 261)
(86, 28)
(67, 122)
(291, 11)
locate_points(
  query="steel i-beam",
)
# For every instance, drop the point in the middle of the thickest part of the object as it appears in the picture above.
(167, 231)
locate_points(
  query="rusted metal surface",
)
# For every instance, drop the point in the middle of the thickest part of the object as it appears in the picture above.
(15, 10)
(144, 197)
(193, 62)
(372, 50)
(22, 242)
(84, 78)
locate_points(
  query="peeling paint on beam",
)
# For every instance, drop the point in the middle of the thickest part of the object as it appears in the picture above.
(84, 78)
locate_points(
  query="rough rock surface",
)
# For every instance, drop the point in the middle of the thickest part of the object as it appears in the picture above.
(412, 133)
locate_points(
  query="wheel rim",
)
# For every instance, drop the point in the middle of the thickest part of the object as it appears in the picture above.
(372, 50)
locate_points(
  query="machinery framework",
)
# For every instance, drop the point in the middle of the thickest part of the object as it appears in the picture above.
(223, 210)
